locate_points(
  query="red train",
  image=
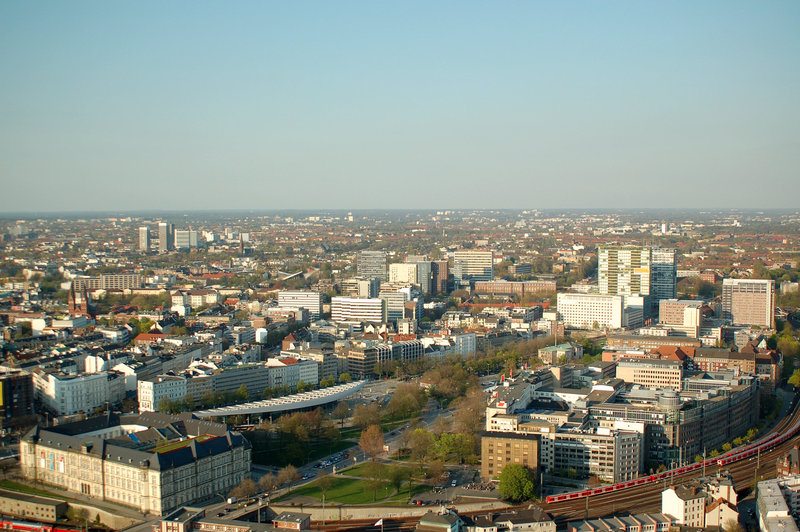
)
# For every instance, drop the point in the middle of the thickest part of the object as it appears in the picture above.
(28, 526)
(742, 453)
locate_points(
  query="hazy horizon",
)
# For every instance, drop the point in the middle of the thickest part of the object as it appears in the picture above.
(186, 107)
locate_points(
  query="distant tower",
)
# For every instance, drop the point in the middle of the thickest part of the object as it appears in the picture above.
(144, 238)
(241, 245)
(372, 264)
(165, 235)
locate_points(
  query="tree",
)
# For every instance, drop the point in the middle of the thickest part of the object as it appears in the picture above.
(288, 475)
(268, 483)
(366, 415)
(242, 394)
(325, 483)
(372, 442)
(397, 477)
(406, 401)
(732, 525)
(517, 483)
(341, 412)
(167, 406)
(246, 488)
(373, 472)
(419, 444)
(344, 378)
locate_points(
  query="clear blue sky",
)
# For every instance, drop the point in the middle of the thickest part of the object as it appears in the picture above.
(201, 105)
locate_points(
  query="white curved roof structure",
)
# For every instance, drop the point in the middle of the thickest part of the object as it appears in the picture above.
(290, 402)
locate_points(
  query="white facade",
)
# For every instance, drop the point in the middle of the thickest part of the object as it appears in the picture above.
(473, 265)
(687, 506)
(357, 309)
(403, 273)
(144, 238)
(307, 299)
(749, 301)
(151, 393)
(584, 311)
(290, 371)
(623, 270)
(185, 239)
(395, 304)
(71, 394)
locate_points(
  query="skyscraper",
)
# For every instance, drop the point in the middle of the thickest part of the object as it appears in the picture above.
(144, 238)
(372, 264)
(185, 239)
(749, 302)
(424, 275)
(441, 271)
(473, 265)
(623, 270)
(663, 274)
(165, 235)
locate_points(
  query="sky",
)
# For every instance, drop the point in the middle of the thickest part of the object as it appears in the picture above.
(186, 105)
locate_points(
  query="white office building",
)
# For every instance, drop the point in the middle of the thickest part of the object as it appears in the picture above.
(357, 309)
(588, 311)
(473, 266)
(144, 238)
(403, 273)
(152, 392)
(307, 299)
(71, 394)
(185, 239)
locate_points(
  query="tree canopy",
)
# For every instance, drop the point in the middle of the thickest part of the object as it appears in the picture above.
(517, 483)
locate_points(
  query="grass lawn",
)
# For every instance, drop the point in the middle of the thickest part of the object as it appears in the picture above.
(15, 486)
(345, 491)
(361, 470)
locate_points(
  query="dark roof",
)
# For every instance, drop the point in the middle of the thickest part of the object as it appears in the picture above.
(142, 451)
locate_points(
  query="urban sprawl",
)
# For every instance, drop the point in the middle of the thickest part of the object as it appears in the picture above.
(432, 370)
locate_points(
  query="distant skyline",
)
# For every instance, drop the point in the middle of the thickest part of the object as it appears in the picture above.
(185, 106)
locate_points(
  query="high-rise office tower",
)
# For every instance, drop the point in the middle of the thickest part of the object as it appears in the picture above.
(749, 301)
(372, 264)
(440, 272)
(663, 273)
(424, 275)
(185, 239)
(623, 270)
(473, 265)
(165, 236)
(144, 238)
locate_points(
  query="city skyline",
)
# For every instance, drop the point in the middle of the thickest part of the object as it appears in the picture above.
(274, 106)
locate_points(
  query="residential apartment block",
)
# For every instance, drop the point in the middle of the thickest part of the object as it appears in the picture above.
(749, 302)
